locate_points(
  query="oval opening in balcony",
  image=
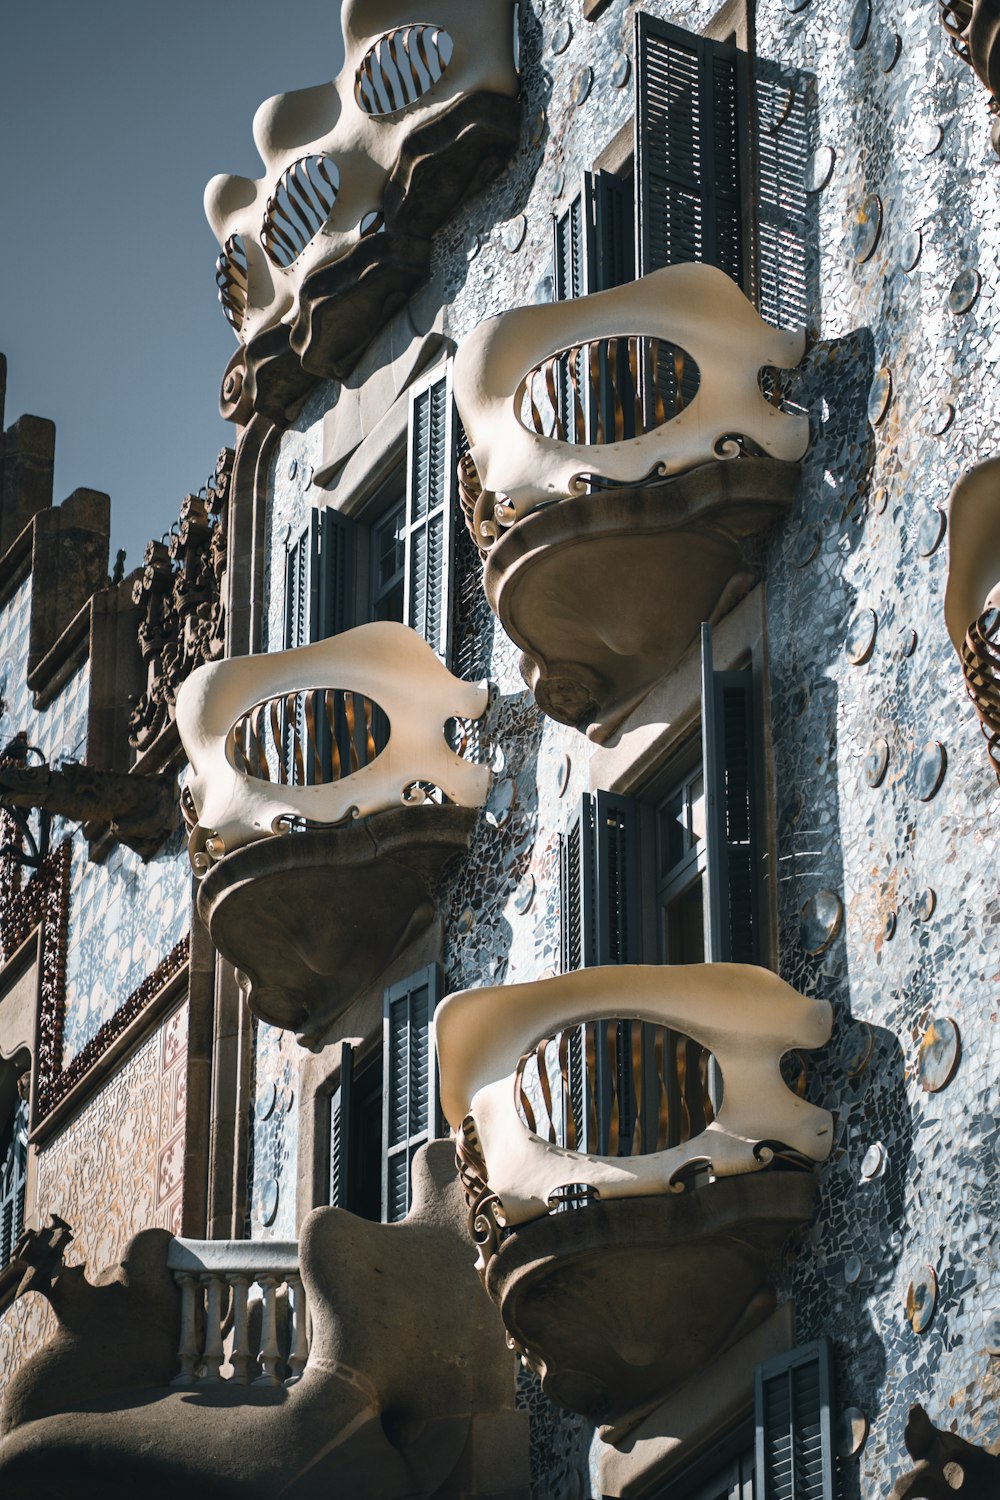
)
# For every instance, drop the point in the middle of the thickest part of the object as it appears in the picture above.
(298, 208)
(308, 738)
(617, 1088)
(607, 390)
(401, 67)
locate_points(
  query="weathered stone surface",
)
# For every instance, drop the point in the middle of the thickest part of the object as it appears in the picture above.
(604, 593)
(398, 1394)
(619, 1303)
(312, 918)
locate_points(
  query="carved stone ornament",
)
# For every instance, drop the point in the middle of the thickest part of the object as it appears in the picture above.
(98, 1411)
(974, 28)
(547, 395)
(501, 371)
(240, 720)
(140, 810)
(945, 1464)
(180, 594)
(972, 593)
(745, 1016)
(333, 238)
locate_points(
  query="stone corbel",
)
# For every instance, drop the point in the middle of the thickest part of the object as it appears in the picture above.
(141, 810)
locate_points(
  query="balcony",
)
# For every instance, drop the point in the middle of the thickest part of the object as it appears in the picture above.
(972, 594)
(324, 803)
(261, 1399)
(626, 448)
(633, 1162)
(332, 240)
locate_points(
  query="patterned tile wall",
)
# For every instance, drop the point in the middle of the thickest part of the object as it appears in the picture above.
(116, 1169)
(125, 916)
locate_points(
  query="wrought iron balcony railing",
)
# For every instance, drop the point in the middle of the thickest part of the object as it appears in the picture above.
(321, 735)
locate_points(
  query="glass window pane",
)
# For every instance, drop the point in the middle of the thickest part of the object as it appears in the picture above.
(684, 927)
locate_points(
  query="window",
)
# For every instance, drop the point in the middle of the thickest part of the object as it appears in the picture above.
(356, 1137)
(786, 1452)
(672, 876)
(722, 143)
(384, 1110)
(394, 562)
(13, 1162)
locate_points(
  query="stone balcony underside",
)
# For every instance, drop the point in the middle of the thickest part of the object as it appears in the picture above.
(618, 1304)
(311, 919)
(604, 593)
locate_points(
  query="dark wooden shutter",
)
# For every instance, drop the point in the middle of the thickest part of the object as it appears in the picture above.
(732, 821)
(319, 602)
(691, 149)
(569, 251)
(340, 1132)
(601, 880)
(13, 1178)
(410, 1101)
(430, 505)
(787, 267)
(601, 895)
(794, 1420)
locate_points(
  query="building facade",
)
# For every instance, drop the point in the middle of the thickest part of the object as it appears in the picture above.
(589, 638)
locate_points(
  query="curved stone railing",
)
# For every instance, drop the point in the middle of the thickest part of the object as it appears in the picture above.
(228, 1289)
(746, 1017)
(972, 593)
(318, 736)
(622, 387)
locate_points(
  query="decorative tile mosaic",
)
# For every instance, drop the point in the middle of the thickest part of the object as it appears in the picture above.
(115, 1170)
(274, 1136)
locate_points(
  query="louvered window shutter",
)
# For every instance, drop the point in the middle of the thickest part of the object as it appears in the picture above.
(732, 816)
(691, 149)
(410, 1106)
(786, 267)
(13, 1179)
(430, 505)
(600, 886)
(319, 602)
(340, 1132)
(794, 1421)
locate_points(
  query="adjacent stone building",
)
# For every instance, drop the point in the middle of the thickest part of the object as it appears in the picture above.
(578, 642)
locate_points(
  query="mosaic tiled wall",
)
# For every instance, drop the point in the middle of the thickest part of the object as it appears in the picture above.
(274, 1135)
(900, 117)
(116, 1169)
(125, 917)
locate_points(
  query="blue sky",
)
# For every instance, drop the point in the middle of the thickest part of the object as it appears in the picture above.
(113, 116)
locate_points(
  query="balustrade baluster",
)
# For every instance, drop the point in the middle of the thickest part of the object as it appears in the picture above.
(270, 1354)
(241, 1358)
(188, 1351)
(299, 1342)
(213, 1353)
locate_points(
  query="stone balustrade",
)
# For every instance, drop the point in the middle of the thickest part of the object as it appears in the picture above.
(235, 1324)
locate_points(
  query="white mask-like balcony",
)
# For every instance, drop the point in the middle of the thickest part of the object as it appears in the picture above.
(671, 1134)
(324, 801)
(623, 453)
(332, 239)
(972, 595)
